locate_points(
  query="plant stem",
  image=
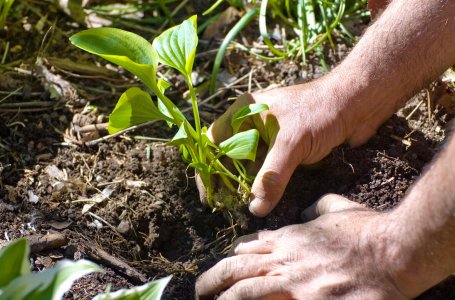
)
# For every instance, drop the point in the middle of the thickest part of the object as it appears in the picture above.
(197, 119)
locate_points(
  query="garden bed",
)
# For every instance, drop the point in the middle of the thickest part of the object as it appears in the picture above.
(149, 221)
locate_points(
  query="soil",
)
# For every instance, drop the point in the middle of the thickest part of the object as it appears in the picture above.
(150, 217)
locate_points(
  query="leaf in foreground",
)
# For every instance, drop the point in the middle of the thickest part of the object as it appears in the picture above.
(48, 284)
(14, 261)
(149, 291)
(242, 145)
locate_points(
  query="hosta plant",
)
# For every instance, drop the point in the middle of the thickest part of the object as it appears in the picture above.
(17, 282)
(176, 48)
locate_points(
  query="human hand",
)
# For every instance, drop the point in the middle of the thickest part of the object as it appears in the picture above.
(310, 123)
(343, 254)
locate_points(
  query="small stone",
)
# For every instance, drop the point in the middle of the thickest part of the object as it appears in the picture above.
(123, 227)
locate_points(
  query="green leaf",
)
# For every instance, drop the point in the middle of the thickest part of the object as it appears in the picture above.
(48, 284)
(244, 112)
(201, 168)
(134, 107)
(163, 85)
(180, 137)
(14, 261)
(242, 145)
(186, 156)
(149, 291)
(176, 47)
(163, 109)
(123, 48)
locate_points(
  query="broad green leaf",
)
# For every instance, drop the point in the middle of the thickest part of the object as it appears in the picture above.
(244, 112)
(134, 107)
(176, 47)
(149, 291)
(180, 137)
(123, 48)
(14, 261)
(49, 284)
(242, 145)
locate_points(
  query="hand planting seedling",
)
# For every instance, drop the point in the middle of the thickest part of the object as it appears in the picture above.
(176, 48)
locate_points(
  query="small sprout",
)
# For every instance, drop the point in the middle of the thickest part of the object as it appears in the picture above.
(176, 48)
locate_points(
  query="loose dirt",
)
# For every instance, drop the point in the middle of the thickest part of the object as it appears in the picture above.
(148, 221)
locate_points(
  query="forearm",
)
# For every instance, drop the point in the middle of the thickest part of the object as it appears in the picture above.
(408, 46)
(421, 230)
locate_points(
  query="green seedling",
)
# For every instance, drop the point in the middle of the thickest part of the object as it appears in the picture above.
(176, 48)
(307, 25)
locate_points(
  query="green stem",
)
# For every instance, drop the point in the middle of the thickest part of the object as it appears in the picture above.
(332, 26)
(301, 20)
(197, 119)
(245, 20)
(263, 30)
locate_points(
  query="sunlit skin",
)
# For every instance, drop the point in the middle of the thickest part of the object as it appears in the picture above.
(348, 251)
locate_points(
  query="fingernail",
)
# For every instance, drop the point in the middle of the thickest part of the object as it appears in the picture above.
(259, 207)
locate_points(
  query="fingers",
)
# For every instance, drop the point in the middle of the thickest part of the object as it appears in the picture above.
(266, 288)
(328, 204)
(272, 179)
(255, 247)
(230, 271)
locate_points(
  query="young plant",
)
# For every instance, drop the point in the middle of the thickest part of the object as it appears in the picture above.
(176, 48)
(5, 6)
(307, 25)
(17, 282)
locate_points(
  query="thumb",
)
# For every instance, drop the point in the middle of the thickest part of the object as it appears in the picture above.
(329, 203)
(271, 180)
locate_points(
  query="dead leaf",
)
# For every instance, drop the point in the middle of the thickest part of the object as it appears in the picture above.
(60, 225)
(217, 29)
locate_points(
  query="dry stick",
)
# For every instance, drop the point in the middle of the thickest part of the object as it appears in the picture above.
(31, 104)
(39, 243)
(429, 105)
(118, 265)
(134, 127)
(414, 110)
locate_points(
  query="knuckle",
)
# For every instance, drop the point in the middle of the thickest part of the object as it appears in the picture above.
(240, 291)
(229, 267)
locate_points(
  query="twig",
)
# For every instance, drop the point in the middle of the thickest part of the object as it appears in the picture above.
(11, 94)
(31, 104)
(118, 265)
(414, 110)
(39, 243)
(429, 105)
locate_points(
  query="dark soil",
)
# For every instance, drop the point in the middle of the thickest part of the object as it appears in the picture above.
(152, 219)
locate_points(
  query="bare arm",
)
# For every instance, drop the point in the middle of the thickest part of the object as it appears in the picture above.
(350, 252)
(422, 228)
(410, 44)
